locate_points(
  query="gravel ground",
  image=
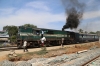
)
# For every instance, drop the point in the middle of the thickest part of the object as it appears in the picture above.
(63, 60)
(18, 51)
(95, 62)
(82, 58)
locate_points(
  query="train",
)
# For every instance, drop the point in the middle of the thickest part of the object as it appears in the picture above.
(53, 37)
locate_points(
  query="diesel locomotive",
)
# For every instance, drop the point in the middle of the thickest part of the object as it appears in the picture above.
(53, 37)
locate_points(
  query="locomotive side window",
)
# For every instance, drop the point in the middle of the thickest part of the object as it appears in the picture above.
(68, 35)
(80, 36)
(37, 32)
(50, 32)
(34, 32)
(83, 36)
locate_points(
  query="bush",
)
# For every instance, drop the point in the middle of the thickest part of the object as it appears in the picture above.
(13, 39)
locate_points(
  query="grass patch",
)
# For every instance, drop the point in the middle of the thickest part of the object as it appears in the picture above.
(43, 51)
(58, 49)
(31, 53)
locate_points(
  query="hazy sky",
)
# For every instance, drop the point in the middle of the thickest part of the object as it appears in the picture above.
(47, 14)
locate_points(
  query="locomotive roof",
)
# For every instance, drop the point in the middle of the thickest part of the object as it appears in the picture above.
(87, 34)
(55, 30)
(46, 29)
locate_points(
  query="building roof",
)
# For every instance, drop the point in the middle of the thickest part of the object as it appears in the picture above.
(4, 34)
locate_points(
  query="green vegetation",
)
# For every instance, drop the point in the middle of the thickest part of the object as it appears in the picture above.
(92, 32)
(29, 25)
(80, 31)
(42, 51)
(97, 32)
(12, 31)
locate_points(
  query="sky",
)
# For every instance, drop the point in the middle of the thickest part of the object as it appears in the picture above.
(47, 14)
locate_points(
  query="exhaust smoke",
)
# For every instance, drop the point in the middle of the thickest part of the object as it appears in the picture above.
(74, 11)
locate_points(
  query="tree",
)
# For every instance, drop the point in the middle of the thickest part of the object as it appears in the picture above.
(13, 38)
(92, 32)
(12, 31)
(85, 32)
(80, 31)
(29, 25)
(5, 28)
(98, 33)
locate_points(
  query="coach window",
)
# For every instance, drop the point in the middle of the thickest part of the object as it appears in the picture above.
(50, 32)
(93, 36)
(80, 36)
(68, 35)
(83, 36)
(65, 35)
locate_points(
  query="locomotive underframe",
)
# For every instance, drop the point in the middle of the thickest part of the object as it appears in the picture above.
(48, 42)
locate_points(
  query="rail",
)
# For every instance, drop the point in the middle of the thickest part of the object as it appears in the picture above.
(86, 64)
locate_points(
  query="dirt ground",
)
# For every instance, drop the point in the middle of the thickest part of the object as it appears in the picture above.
(51, 51)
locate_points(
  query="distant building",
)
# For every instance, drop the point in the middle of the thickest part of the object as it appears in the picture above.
(4, 37)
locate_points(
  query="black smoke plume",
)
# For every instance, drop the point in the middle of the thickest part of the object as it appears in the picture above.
(74, 12)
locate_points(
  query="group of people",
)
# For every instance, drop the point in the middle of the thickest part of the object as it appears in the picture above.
(43, 39)
(25, 44)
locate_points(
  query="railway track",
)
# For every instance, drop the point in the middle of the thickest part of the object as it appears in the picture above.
(8, 48)
(93, 62)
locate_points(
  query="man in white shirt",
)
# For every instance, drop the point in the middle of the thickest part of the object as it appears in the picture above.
(42, 41)
(25, 46)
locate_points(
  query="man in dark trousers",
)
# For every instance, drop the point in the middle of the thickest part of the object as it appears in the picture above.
(25, 46)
